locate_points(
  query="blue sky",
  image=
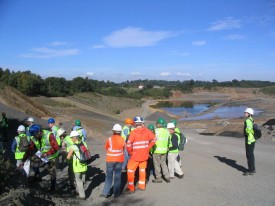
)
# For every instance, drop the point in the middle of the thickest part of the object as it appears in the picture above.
(121, 40)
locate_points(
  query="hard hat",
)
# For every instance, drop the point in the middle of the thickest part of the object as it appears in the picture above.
(77, 122)
(117, 128)
(51, 120)
(128, 121)
(30, 119)
(138, 120)
(74, 134)
(160, 121)
(249, 111)
(174, 121)
(171, 125)
(21, 128)
(60, 132)
(34, 129)
(151, 127)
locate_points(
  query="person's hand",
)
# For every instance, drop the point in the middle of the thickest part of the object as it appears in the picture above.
(21, 165)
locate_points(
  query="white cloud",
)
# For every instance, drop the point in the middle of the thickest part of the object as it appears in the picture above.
(198, 43)
(44, 53)
(58, 43)
(234, 37)
(135, 37)
(135, 73)
(183, 74)
(98, 46)
(227, 23)
(90, 74)
(165, 74)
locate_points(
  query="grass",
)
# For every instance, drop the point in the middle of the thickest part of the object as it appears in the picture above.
(52, 103)
(268, 90)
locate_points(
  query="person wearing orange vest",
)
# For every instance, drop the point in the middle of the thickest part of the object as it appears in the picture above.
(140, 141)
(114, 160)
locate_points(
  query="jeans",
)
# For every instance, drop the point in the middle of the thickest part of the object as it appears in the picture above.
(80, 180)
(126, 158)
(113, 168)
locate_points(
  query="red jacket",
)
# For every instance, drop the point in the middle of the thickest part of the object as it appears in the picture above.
(139, 143)
(115, 149)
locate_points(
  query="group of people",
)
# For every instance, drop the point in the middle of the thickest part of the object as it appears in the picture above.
(154, 148)
(43, 147)
(147, 148)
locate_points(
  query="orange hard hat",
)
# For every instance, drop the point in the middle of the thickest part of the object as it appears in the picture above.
(129, 121)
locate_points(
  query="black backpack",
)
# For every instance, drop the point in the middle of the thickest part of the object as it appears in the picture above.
(23, 143)
(182, 141)
(257, 131)
(85, 155)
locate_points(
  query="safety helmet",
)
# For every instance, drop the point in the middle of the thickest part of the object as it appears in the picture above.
(171, 125)
(74, 134)
(160, 121)
(174, 121)
(138, 120)
(77, 122)
(128, 121)
(30, 119)
(117, 128)
(21, 128)
(249, 111)
(34, 129)
(51, 120)
(151, 127)
(60, 132)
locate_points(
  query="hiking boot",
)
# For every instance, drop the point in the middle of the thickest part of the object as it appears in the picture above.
(128, 192)
(249, 173)
(157, 180)
(167, 180)
(140, 189)
(181, 176)
(102, 195)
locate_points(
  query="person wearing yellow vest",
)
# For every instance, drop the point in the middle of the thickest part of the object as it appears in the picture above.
(114, 160)
(126, 130)
(173, 152)
(82, 132)
(160, 152)
(15, 145)
(54, 129)
(249, 141)
(29, 123)
(43, 148)
(79, 169)
(66, 144)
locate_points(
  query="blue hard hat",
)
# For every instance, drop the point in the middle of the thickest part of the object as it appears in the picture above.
(51, 120)
(34, 129)
(138, 120)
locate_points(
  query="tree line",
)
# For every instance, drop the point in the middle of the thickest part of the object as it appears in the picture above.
(33, 85)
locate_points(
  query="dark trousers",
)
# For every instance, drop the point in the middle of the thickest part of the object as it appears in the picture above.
(250, 156)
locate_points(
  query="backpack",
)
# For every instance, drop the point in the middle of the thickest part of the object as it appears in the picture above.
(23, 143)
(85, 155)
(182, 141)
(257, 131)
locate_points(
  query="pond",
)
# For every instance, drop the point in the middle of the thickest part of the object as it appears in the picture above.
(190, 111)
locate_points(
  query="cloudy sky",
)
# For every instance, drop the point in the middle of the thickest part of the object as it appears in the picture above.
(121, 40)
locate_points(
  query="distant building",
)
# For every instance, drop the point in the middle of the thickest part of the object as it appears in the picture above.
(156, 86)
(140, 86)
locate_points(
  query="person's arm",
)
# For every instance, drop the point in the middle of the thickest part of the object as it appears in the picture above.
(31, 150)
(70, 154)
(174, 141)
(107, 145)
(152, 138)
(54, 146)
(13, 145)
(130, 144)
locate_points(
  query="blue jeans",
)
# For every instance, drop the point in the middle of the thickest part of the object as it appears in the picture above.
(126, 158)
(112, 168)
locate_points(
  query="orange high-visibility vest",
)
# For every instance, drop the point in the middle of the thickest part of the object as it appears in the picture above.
(115, 148)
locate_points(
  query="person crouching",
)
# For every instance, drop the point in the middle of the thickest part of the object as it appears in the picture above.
(114, 160)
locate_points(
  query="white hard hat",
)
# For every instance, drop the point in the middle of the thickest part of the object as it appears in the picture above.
(138, 120)
(60, 132)
(171, 125)
(74, 134)
(249, 111)
(21, 128)
(30, 119)
(117, 128)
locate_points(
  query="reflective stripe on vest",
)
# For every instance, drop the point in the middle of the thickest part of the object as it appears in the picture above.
(140, 144)
(18, 155)
(111, 151)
